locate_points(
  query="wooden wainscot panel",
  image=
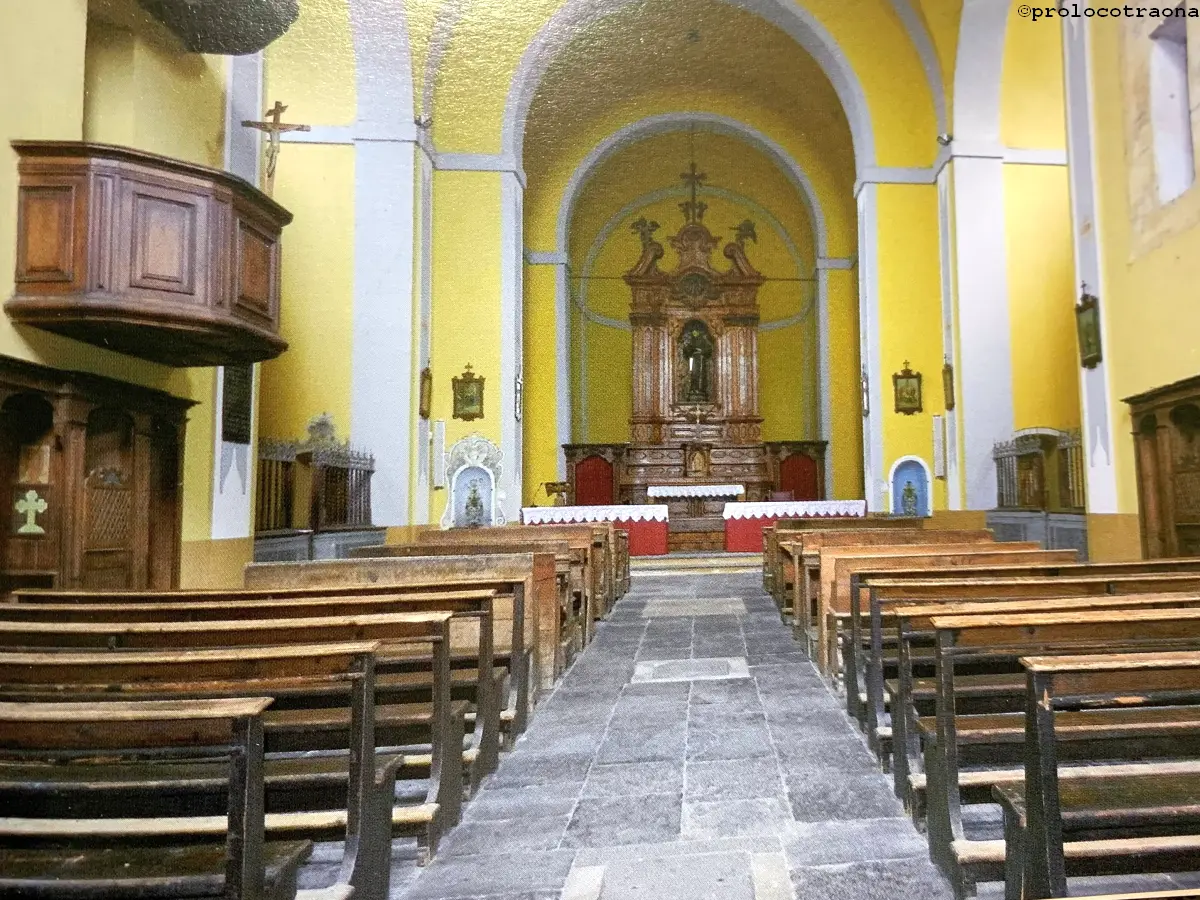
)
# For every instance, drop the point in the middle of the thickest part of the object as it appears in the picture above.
(153, 257)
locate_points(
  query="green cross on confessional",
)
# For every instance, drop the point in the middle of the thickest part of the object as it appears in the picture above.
(31, 506)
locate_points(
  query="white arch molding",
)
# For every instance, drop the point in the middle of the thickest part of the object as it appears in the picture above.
(662, 124)
(382, 370)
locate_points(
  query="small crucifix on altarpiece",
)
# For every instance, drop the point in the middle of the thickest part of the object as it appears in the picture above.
(273, 128)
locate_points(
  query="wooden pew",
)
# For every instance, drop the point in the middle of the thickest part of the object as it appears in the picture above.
(561, 621)
(592, 544)
(785, 529)
(912, 697)
(234, 863)
(1127, 819)
(471, 631)
(311, 792)
(803, 556)
(437, 721)
(510, 574)
(952, 741)
(834, 594)
(866, 666)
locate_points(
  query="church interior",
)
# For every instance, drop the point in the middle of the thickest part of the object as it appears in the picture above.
(599, 449)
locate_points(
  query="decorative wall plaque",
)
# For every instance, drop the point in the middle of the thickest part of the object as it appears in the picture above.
(237, 404)
(907, 385)
(425, 403)
(1087, 322)
(468, 395)
(948, 385)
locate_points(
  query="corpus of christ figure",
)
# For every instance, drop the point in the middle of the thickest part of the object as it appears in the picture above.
(273, 128)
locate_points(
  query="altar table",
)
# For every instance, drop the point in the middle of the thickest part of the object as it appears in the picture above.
(646, 524)
(695, 490)
(744, 522)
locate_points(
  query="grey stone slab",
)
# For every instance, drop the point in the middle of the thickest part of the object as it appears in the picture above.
(561, 738)
(657, 609)
(905, 879)
(723, 875)
(658, 653)
(725, 715)
(741, 692)
(606, 822)
(666, 690)
(650, 745)
(648, 717)
(598, 856)
(822, 795)
(831, 843)
(518, 835)
(531, 769)
(846, 754)
(739, 779)
(695, 669)
(734, 742)
(734, 818)
(634, 779)
(493, 875)
(494, 803)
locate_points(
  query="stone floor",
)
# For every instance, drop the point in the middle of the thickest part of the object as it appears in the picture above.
(690, 753)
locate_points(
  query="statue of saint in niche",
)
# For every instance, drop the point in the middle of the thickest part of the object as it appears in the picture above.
(696, 347)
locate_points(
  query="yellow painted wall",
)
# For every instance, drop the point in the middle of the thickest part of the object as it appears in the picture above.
(1041, 297)
(466, 299)
(1032, 113)
(316, 318)
(910, 318)
(846, 427)
(1148, 302)
(539, 417)
(311, 68)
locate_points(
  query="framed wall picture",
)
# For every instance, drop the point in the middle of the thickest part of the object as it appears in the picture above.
(1087, 323)
(948, 385)
(468, 395)
(426, 396)
(907, 385)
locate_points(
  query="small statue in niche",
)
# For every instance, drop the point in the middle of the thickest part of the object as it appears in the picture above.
(696, 346)
(474, 505)
(908, 500)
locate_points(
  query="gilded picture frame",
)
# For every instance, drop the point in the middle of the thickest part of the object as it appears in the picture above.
(425, 403)
(468, 395)
(948, 385)
(907, 387)
(1087, 324)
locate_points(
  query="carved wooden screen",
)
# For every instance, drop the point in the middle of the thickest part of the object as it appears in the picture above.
(108, 501)
(1185, 466)
(27, 460)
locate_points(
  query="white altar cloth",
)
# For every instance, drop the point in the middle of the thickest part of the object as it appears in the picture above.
(695, 490)
(569, 515)
(798, 509)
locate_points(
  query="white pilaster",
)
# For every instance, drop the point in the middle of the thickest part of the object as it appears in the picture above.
(234, 464)
(874, 485)
(511, 333)
(424, 279)
(562, 368)
(1094, 387)
(954, 492)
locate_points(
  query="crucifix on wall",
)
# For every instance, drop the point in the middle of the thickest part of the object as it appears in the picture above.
(273, 128)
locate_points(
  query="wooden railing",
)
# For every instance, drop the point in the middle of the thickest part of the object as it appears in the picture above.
(1041, 469)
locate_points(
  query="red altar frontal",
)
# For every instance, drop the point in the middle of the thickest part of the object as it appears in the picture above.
(647, 525)
(744, 522)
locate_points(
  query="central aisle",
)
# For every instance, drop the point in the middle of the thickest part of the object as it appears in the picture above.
(629, 784)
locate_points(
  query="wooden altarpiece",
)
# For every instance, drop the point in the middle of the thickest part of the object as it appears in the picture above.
(91, 471)
(695, 365)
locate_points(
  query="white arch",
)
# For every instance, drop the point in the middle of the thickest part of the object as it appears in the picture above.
(665, 123)
(928, 481)
(382, 371)
(790, 17)
(918, 33)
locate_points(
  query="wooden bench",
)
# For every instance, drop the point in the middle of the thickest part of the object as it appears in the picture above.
(592, 545)
(863, 655)
(319, 786)
(234, 861)
(835, 565)
(784, 529)
(556, 604)
(985, 742)
(471, 635)
(510, 575)
(435, 722)
(1122, 820)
